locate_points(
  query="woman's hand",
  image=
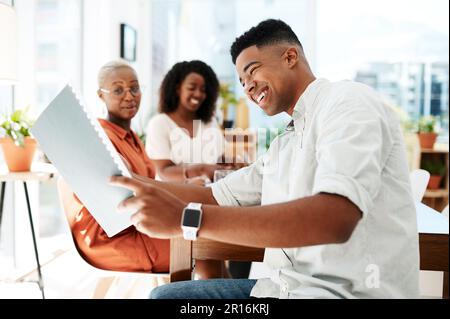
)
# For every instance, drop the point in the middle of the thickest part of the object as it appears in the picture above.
(158, 212)
(198, 180)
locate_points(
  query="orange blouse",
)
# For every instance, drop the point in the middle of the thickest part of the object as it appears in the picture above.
(129, 250)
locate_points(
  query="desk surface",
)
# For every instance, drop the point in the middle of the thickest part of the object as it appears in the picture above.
(38, 172)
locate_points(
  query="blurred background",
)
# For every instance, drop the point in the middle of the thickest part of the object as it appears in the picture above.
(399, 47)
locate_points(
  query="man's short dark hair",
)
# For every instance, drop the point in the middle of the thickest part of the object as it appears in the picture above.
(267, 32)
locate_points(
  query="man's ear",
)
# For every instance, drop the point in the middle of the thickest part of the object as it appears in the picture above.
(291, 56)
(100, 94)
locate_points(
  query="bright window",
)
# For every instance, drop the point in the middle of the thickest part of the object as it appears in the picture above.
(398, 47)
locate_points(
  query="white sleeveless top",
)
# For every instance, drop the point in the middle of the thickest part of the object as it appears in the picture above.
(166, 140)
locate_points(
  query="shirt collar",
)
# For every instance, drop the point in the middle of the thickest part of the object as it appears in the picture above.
(305, 102)
(116, 129)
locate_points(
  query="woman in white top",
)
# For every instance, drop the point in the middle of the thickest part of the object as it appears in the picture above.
(184, 140)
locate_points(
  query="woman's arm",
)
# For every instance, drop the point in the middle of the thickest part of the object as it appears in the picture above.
(169, 171)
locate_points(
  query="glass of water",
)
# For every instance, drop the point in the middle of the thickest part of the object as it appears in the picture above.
(221, 173)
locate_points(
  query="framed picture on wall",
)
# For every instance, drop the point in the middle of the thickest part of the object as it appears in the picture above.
(128, 39)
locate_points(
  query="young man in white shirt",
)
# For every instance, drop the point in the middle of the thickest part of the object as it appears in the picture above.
(330, 201)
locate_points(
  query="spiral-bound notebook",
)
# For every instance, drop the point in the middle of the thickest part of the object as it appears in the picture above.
(79, 148)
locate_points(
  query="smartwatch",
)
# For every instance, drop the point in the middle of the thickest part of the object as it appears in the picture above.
(191, 220)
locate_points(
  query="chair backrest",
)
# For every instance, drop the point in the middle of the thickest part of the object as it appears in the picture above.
(64, 195)
(419, 180)
(445, 211)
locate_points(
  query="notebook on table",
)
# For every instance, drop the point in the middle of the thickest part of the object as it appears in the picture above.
(79, 148)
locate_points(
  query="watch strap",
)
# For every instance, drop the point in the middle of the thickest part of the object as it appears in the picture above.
(190, 233)
(194, 205)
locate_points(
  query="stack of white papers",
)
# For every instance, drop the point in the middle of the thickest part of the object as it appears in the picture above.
(79, 148)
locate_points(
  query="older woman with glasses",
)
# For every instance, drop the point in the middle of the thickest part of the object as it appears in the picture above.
(129, 250)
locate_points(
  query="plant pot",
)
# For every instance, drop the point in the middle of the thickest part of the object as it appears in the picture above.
(427, 140)
(434, 182)
(18, 158)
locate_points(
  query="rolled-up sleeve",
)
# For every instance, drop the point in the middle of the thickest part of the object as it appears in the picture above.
(240, 188)
(352, 149)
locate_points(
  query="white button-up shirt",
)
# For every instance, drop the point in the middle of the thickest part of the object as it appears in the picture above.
(345, 141)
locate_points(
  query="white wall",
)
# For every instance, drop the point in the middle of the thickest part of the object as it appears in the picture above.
(25, 90)
(101, 43)
(15, 234)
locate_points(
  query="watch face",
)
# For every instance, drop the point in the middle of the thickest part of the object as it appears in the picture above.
(191, 217)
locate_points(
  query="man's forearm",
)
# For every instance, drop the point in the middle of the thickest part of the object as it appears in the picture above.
(319, 219)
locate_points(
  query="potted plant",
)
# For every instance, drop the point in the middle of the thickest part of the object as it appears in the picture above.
(17, 144)
(436, 169)
(228, 98)
(427, 131)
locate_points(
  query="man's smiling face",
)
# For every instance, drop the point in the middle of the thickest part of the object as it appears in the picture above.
(264, 74)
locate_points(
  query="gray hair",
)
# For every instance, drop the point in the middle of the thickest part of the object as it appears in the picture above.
(109, 67)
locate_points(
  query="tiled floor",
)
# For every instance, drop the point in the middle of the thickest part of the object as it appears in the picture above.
(68, 278)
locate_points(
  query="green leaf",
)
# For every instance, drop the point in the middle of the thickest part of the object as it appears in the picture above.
(434, 167)
(227, 95)
(17, 116)
(427, 124)
(17, 126)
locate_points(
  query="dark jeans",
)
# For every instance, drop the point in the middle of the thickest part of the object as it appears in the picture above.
(205, 289)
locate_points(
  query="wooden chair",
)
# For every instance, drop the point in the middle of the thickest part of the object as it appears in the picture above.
(445, 211)
(419, 180)
(433, 255)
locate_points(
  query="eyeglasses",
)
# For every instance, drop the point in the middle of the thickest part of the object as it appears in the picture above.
(120, 91)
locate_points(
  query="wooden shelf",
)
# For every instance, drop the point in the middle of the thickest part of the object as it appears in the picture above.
(436, 193)
(434, 151)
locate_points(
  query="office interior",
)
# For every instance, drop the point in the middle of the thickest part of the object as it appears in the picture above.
(400, 48)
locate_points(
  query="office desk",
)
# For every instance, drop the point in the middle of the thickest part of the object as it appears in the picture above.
(433, 230)
(39, 172)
